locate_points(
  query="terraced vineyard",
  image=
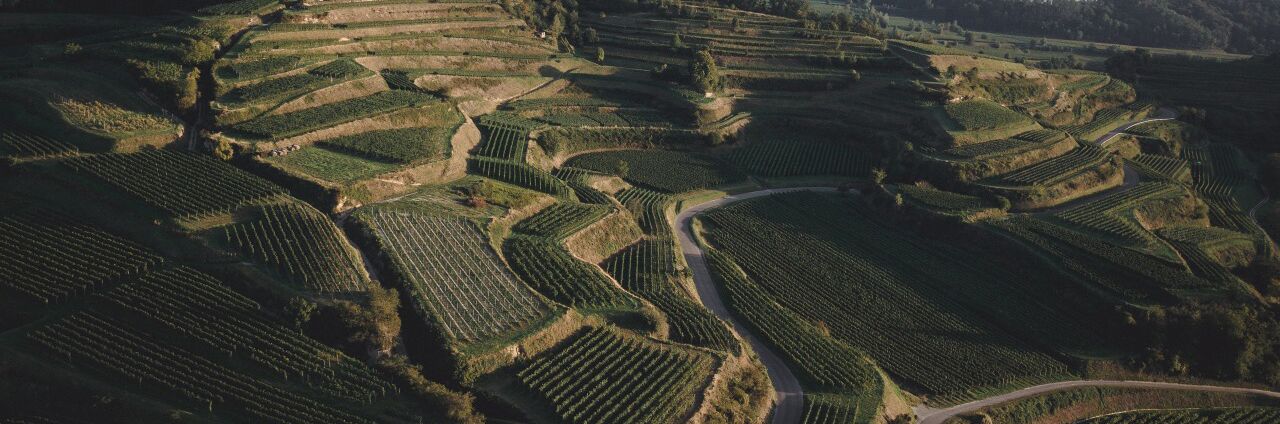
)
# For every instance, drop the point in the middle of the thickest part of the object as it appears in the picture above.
(520, 174)
(183, 185)
(200, 307)
(661, 170)
(561, 220)
(650, 209)
(453, 276)
(816, 250)
(648, 269)
(507, 136)
(27, 145)
(1050, 171)
(786, 158)
(50, 259)
(302, 243)
(604, 376)
(296, 123)
(553, 271)
(1205, 416)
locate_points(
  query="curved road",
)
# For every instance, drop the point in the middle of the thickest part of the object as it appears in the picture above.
(1164, 114)
(937, 416)
(789, 405)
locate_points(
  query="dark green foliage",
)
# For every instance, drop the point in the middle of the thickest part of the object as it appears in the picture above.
(302, 243)
(547, 266)
(404, 145)
(338, 69)
(520, 174)
(182, 185)
(239, 7)
(786, 157)
(295, 123)
(259, 67)
(561, 220)
(603, 376)
(649, 269)
(50, 258)
(664, 170)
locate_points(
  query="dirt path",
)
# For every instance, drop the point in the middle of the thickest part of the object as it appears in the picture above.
(789, 402)
(937, 416)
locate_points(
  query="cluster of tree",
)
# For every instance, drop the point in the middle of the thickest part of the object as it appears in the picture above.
(1246, 26)
(558, 19)
(1218, 341)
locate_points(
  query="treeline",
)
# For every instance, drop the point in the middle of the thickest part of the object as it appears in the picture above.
(1244, 26)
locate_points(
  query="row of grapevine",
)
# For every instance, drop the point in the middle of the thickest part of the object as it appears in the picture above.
(1104, 121)
(830, 408)
(649, 208)
(606, 120)
(788, 158)
(561, 220)
(851, 273)
(184, 185)
(293, 85)
(400, 80)
(519, 173)
(604, 376)
(982, 114)
(1111, 215)
(944, 201)
(302, 243)
(23, 144)
(109, 347)
(1084, 157)
(577, 179)
(202, 308)
(453, 275)
(401, 145)
(239, 7)
(662, 170)
(506, 136)
(1126, 272)
(258, 68)
(324, 116)
(648, 269)
(552, 270)
(50, 259)
(1191, 416)
(1161, 167)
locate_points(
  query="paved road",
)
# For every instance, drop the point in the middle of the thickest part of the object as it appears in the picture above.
(789, 405)
(1164, 114)
(937, 416)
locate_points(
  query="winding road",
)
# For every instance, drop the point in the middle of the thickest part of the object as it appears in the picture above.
(1164, 114)
(938, 416)
(789, 402)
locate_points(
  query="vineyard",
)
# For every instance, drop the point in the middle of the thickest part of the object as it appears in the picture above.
(561, 220)
(604, 376)
(200, 307)
(943, 201)
(578, 180)
(825, 408)
(795, 157)
(405, 145)
(661, 170)
(454, 277)
(294, 123)
(806, 256)
(183, 185)
(649, 269)
(117, 350)
(1059, 168)
(520, 174)
(301, 243)
(649, 208)
(50, 259)
(1193, 416)
(547, 266)
(506, 136)
(821, 360)
(27, 145)
(291, 86)
(1112, 215)
(977, 115)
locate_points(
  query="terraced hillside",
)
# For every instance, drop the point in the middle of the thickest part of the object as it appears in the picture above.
(549, 211)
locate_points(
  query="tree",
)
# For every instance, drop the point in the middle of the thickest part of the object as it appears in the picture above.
(621, 169)
(704, 73)
(599, 54)
(71, 49)
(384, 313)
(300, 311)
(677, 43)
(223, 150)
(590, 36)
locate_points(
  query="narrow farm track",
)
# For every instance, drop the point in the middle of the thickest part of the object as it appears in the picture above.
(1164, 114)
(938, 416)
(789, 403)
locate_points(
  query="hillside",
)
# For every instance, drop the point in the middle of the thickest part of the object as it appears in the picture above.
(402, 211)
